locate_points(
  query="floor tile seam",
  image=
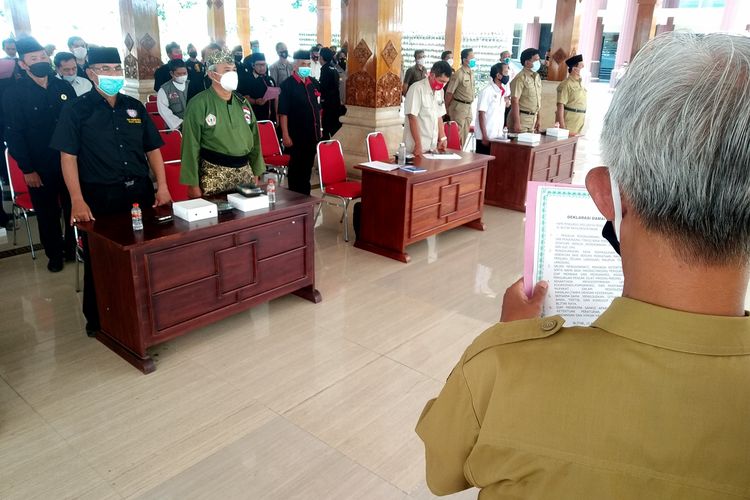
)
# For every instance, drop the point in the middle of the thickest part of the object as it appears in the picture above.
(285, 412)
(419, 332)
(343, 454)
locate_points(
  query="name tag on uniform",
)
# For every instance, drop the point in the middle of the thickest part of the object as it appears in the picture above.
(210, 120)
(134, 121)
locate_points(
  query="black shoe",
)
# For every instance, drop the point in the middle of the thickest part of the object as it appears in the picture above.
(55, 265)
(91, 330)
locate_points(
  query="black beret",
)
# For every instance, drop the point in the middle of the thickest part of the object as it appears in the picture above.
(573, 61)
(27, 45)
(104, 55)
(302, 55)
(257, 56)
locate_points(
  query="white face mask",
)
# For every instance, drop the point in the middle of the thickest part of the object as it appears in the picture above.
(69, 78)
(617, 203)
(180, 79)
(421, 61)
(228, 81)
(450, 61)
(80, 52)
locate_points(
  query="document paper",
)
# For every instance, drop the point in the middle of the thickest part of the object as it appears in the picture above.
(565, 247)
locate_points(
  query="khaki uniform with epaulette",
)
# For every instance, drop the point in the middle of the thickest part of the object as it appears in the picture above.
(527, 87)
(572, 95)
(631, 407)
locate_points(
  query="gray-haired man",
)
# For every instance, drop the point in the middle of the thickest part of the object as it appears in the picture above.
(652, 400)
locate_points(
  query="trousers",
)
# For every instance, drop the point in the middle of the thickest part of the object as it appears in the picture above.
(301, 159)
(50, 201)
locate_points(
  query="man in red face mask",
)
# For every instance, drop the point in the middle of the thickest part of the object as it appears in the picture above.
(424, 108)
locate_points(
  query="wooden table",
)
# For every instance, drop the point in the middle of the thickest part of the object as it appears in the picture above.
(401, 208)
(515, 164)
(159, 283)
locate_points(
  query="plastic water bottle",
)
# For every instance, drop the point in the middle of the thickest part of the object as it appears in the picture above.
(402, 154)
(505, 133)
(137, 217)
(271, 191)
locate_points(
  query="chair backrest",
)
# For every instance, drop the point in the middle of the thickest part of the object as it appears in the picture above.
(15, 175)
(453, 135)
(158, 121)
(269, 141)
(178, 191)
(151, 98)
(376, 147)
(152, 107)
(331, 166)
(172, 148)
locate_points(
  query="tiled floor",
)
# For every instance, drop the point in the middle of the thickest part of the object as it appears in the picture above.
(288, 400)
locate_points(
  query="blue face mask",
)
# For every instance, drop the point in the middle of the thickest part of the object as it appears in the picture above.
(304, 71)
(473, 63)
(536, 66)
(111, 85)
(507, 60)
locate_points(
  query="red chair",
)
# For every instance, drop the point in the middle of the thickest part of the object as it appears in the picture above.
(158, 121)
(376, 148)
(22, 205)
(453, 135)
(178, 191)
(152, 107)
(172, 148)
(151, 98)
(277, 162)
(333, 182)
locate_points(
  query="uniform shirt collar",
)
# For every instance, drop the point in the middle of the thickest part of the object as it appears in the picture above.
(676, 330)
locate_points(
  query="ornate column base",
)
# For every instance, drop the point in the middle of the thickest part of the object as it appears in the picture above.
(139, 89)
(360, 121)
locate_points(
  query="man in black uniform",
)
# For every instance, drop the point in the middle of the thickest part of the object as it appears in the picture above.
(161, 75)
(196, 72)
(105, 139)
(31, 109)
(299, 116)
(330, 100)
(255, 85)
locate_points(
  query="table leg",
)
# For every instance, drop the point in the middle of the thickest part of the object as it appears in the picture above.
(144, 363)
(309, 293)
(385, 252)
(476, 224)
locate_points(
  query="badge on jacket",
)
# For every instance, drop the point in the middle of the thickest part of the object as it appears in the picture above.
(211, 120)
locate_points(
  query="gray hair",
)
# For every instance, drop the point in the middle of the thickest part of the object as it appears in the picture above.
(677, 140)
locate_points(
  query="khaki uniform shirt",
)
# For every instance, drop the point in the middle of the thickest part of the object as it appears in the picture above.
(527, 87)
(427, 105)
(647, 403)
(572, 93)
(414, 74)
(461, 85)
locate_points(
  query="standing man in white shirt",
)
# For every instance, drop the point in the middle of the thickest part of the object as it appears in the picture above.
(315, 64)
(494, 99)
(171, 100)
(78, 47)
(424, 108)
(67, 69)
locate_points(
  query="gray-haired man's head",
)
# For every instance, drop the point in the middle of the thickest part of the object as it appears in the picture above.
(677, 140)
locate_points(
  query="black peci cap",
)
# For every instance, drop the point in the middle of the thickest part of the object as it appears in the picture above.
(27, 45)
(302, 55)
(104, 55)
(573, 61)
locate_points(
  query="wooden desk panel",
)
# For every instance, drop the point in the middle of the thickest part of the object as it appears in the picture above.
(169, 279)
(515, 164)
(399, 208)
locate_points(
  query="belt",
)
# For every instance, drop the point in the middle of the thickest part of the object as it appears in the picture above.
(527, 112)
(574, 110)
(222, 159)
(463, 102)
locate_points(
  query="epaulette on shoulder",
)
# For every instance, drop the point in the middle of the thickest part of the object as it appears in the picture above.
(515, 331)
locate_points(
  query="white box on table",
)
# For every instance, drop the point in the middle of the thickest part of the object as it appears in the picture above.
(529, 138)
(193, 210)
(559, 133)
(245, 204)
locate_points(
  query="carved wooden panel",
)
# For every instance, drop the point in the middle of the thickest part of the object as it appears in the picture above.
(388, 91)
(362, 53)
(389, 53)
(360, 90)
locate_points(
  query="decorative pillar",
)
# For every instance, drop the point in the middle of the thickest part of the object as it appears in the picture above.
(588, 33)
(625, 40)
(18, 12)
(344, 42)
(596, 62)
(140, 32)
(373, 85)
(454, 29)
(324, 23)
(533, 31)
(645, 25)
(565, 36)
(664, 28)
(243, 25)
(217, 28)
